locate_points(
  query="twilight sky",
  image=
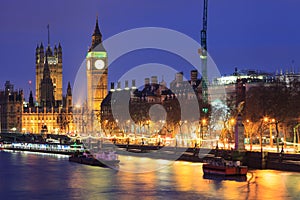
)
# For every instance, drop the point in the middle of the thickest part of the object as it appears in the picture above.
(254, 34)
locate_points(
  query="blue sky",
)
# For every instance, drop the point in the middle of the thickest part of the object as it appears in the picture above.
(254, 34)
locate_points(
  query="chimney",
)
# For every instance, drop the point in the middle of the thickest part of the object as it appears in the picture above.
(126, 85)
(179, 77)
(194, 75)
(147, 81)
(153, 80)
(119, 86)
(133, 85)
(112, 86)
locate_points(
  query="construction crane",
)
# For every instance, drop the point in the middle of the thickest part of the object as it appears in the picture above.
(203, 31)
(203, 54)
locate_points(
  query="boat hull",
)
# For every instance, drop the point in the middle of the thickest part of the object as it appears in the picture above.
(94, 162)
(225, 170)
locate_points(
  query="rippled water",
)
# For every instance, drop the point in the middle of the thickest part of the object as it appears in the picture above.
(40, 176)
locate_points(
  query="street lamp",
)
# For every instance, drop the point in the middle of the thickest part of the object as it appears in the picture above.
(203, 123)
(148, 124)
(271, 132)
(232, 131)
(249, 133)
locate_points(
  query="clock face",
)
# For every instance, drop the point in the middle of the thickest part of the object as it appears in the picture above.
(88, 65)
(99, 64)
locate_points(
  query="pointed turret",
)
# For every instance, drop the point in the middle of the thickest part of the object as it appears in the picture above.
(41, 53)
(69, 97)
(59, 47)
(59, 53)
(46, 88)
(96, 38)
(31, 104)
(37, 49)
(46, 72)
(55, 50)
(69, 90)
(37, 52)
(97, 30)
(42, 47)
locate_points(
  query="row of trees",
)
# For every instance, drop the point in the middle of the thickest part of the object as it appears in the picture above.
(274, 105)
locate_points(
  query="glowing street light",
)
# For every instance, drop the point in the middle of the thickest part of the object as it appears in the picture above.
(232, 121)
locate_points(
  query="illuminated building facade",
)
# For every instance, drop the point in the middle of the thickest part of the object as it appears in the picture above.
(54, 61)
(48, 118)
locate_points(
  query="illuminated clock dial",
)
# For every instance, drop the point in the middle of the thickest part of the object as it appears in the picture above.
(99, 64)
(88, 65)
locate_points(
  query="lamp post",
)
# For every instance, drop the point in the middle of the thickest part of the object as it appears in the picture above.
(271, 132)
(203, 122)
(277, 135)
(232, 132)
(248, 129)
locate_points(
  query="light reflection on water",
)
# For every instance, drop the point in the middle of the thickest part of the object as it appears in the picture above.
(36, 176)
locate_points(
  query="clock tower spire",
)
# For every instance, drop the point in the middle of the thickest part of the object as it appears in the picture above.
(96, 37)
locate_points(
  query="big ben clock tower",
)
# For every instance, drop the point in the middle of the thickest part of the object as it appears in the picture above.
(96, 70)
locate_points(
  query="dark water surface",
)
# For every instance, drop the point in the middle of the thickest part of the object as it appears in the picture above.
(43, 176)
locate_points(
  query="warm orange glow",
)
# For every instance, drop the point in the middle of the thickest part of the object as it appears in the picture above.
(266, 119)
(232, 121)
(203, 121)
(186, 175)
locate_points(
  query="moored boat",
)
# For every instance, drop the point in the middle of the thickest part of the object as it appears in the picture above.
(101, 159)
(220, 166)
(54, 148)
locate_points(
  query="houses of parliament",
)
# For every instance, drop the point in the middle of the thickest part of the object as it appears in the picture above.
(49, 110)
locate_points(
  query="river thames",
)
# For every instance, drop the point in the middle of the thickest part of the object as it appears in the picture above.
(44, 176)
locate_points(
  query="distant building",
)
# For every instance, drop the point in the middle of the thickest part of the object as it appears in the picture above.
(53, 60)
(11, 102)
(126, 110)
(46, 112)
(251, 76)
(288, 77)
